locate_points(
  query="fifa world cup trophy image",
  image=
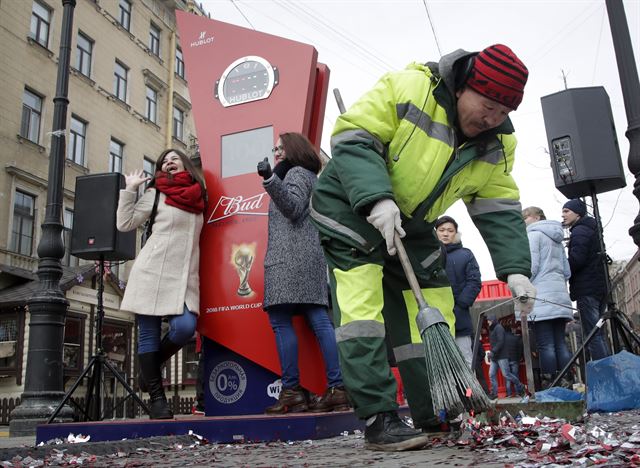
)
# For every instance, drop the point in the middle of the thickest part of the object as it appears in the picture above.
(242, 257)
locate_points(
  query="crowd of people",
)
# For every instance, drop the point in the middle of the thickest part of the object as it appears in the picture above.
(420, 140)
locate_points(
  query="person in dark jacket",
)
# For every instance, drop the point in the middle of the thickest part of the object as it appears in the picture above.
(514, 351)
(295, 273)
(464, 275)
(587, 285)
(499, 358)
(478, 369)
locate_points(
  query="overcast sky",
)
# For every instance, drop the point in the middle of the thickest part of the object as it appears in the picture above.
(360, 40)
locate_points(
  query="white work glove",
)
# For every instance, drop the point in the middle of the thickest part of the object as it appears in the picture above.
(385, 217)
(522, 288)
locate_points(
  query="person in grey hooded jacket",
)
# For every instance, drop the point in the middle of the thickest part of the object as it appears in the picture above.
(550, 272)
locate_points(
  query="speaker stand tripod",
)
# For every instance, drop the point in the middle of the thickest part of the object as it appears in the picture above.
(92, 410)
(620, 329)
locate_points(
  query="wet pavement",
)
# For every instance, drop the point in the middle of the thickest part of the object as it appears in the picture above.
(520, 440)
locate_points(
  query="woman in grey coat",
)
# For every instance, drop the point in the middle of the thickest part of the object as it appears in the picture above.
(549, 274)
(295, 273)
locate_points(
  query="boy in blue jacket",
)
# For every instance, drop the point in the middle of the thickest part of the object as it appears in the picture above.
(464, 275)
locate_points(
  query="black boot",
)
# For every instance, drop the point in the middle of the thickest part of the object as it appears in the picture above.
(167, 349)
(546, 380)
(150, 367)
(388, 433)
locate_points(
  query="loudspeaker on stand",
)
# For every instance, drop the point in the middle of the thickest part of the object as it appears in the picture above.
(94, 235)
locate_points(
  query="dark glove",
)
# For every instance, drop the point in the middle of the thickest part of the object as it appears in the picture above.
(264, 169)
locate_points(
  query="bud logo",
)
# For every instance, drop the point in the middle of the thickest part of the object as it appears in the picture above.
(202, 40)
(238, 205)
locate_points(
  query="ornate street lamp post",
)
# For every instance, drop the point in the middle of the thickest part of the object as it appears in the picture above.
(630, 93)
(44, 387)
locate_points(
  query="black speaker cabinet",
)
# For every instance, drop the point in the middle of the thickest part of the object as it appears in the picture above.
(94, 234)
(584, 150)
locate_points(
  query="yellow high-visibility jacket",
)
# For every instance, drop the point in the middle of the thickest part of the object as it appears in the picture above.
(399, 141)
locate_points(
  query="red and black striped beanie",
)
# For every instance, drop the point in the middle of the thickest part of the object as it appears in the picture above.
(499, 74)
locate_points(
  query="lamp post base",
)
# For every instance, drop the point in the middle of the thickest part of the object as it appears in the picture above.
(35, 409)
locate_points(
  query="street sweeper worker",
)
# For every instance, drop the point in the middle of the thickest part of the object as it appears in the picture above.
(409, 148)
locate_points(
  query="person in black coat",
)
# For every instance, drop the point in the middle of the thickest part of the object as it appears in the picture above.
(514, 351)
(587, 285)
(464, 275)
(499, 358)
(478, 369)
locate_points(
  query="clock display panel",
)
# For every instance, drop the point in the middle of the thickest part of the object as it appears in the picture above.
(247, 79)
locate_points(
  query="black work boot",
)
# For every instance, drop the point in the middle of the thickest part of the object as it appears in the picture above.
(291, 400)
(158, 405)
(386, 432)
(167, 349)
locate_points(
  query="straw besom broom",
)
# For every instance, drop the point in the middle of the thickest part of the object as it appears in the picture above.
(454, 387)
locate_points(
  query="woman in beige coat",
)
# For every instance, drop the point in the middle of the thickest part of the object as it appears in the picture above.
(164, 280)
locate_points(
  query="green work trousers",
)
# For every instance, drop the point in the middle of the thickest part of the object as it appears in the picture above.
(371, 298)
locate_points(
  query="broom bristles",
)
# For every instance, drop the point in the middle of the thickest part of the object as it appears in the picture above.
(454, 387)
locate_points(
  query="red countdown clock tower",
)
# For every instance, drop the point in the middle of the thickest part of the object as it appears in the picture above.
(246, 88)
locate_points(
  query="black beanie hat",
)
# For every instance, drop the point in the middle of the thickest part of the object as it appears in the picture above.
(446, 219)
(577, 206)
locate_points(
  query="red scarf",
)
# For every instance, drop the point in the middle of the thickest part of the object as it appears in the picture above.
(181, 191)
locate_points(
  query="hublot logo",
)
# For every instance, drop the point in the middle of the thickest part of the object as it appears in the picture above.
(202, 40)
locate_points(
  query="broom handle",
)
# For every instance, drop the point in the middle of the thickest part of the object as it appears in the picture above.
(409, 273)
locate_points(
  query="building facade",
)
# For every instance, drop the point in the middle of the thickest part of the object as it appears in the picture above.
(128, 101)
(625, 282)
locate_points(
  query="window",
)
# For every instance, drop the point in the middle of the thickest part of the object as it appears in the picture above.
(68, 259)
(84, 52)
(113, 268)
(189, 363)
(40, 23)
(73, 340)
(116, 339)
(151, 112)
(149, 170)
(9, 336)
(178, 122)
(77, 137)
(154, 39)
(148, 167)
(116, 152)
(31, 115)
(120, 74)
(179, 63)
(24, 214)
(125, 14)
